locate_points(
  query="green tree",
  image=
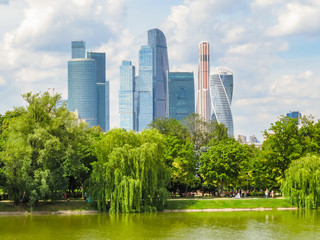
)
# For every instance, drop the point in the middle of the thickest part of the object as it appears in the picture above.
(221, 164)
(301, 184)
(130, 173)
(40, 149)
(282, 146)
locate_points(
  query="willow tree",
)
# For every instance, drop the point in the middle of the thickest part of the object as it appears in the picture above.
(130, 173)
(302, 182)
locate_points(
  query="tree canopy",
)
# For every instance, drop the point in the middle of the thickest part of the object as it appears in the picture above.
(130, 173)
(302, 182)
(41, 148)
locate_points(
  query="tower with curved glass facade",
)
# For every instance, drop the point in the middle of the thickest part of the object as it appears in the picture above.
(82, 89)
(221, 89)
(157, 41)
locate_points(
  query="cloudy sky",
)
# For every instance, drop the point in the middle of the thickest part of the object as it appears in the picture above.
(271, 46)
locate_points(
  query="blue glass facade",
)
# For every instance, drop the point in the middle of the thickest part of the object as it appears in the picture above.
(126, 96)
(107, 105)
(157, 41)
(78, 49)
(220, 103)
(82, 89)
(295, 115)
(181, 94)
(100, 59)
(144, 88)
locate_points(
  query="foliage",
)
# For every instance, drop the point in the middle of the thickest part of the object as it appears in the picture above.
(221, 164)
(130, 173)
(283, 145)
(302, 182)
(42, 147)
(170, 126)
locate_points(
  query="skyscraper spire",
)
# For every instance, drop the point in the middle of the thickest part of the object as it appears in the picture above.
(203, 94)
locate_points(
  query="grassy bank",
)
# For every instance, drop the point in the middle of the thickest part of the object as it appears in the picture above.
(226, 203)
(76, 205)
(176, 204)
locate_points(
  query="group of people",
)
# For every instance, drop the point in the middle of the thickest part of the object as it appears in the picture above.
(267, 193)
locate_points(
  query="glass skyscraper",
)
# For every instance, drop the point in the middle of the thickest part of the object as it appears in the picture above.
(180, 94)
(78, 49)
(102, 92)
(144, 88)
(157, 41)
(221, 87)
(126, 96)
(82, 89)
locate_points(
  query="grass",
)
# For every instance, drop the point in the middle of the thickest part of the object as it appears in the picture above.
(54, 206)
(227, 203)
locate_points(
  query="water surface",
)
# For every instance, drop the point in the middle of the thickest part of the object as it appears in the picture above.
(202, 225)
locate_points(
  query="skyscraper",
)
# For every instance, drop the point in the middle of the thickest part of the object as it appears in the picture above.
(157, 41)
(78, 49)
(180, 94)
(203, 107)
(221, 96)
(100, 59)
(144, 88)
(82, 89)
(126, 95)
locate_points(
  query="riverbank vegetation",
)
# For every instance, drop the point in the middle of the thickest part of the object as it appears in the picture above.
(45, 154)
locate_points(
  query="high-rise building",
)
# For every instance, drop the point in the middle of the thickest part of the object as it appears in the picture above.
(78, 49)
(296, 115)
(82, 89)
(126, 96)
(144, 88)
(203, 104)
(157, 41)
(180, 94)
(220, 102)
(107, 106)
(102, 92)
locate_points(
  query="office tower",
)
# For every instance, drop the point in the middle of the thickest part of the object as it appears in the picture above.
(102, 92)
(220, 102)
(78, 49)
(180, 94)
(144, 88)
(126, 95)
(157, 41)
(203, 107)
(107, 106)
(82, 89)
(296, 115)
(242, 139)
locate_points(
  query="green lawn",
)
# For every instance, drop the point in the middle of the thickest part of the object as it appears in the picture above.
(47, 206)
(227, 203)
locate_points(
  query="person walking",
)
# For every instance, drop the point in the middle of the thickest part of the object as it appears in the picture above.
(267, 193)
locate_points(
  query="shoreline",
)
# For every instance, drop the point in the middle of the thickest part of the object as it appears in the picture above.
(92, 212)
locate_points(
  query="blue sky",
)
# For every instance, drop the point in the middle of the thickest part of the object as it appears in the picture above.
(271, 46)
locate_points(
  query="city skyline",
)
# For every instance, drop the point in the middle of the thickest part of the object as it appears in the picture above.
(270, 46)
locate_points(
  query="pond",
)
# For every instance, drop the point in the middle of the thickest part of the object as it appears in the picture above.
(202, 225)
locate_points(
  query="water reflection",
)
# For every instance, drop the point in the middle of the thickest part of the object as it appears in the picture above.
(214, 225)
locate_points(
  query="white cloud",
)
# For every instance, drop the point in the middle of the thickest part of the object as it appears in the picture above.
(2, 81)
(297, 17)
